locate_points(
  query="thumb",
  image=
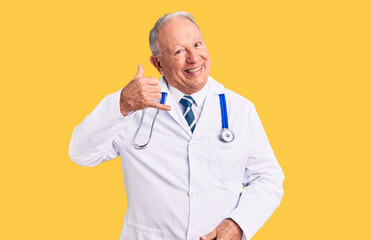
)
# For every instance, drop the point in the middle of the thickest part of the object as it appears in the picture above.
(140, 71)
(210, 236)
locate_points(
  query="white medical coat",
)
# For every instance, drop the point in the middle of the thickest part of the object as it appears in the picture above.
(183, 185)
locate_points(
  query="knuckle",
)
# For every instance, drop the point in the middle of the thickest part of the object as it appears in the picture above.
(142, 95)
(141, 87)
(135, 81)
(137, 84)
(141, 82)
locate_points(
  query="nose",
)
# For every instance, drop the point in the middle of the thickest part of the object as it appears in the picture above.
(193, 56)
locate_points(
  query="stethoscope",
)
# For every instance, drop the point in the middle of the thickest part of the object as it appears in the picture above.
(226, 135)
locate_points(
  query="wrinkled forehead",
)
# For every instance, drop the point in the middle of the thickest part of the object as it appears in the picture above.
(178, 32)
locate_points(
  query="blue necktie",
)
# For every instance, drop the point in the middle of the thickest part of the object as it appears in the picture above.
(187, 102)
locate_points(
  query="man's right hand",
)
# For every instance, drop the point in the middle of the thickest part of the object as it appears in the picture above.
(141, 93)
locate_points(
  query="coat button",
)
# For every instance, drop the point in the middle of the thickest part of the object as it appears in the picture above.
(191, 193)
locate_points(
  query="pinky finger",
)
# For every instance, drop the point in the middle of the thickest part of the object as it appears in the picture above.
(160, 106)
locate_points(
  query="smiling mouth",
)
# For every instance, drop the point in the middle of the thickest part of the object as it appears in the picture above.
(193, 70)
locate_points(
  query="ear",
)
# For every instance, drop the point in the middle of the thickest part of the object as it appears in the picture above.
(156, 63)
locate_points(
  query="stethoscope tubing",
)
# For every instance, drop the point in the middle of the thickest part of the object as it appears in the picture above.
(137, 146)
(223, 110)
(225, 136)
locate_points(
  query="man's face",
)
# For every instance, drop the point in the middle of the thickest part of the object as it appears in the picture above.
(184, 58)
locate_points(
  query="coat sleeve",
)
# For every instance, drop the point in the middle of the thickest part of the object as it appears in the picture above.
(93, 140)
(263, 182)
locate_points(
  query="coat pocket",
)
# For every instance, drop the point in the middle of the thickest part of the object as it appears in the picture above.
(137, 232)
(227, 160)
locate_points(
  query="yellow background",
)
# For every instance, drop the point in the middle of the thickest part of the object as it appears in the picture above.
(304, 64)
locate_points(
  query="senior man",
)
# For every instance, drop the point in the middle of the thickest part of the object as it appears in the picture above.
(188, 182)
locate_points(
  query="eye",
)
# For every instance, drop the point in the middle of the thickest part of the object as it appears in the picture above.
(197, 44)
(178, 52)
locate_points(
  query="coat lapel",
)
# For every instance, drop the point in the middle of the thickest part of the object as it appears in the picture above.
(175, 113)
(210, 115)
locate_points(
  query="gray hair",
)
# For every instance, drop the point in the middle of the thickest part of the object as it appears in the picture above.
(153, 43)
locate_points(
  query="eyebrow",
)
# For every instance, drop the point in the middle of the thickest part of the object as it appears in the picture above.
(175, 47)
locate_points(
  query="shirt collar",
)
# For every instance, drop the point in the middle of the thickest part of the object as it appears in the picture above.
(199, 96)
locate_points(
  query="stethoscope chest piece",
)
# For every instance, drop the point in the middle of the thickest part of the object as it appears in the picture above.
(226, 135)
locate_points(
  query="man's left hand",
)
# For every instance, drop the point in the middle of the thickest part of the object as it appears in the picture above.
(226, 230)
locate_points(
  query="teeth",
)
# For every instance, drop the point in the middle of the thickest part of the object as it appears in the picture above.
(193, 70)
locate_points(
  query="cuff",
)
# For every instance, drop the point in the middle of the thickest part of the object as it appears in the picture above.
(116, 107)
(245, 235)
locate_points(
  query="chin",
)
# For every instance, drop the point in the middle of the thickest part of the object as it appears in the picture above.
(198, 83)
(201, 80)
